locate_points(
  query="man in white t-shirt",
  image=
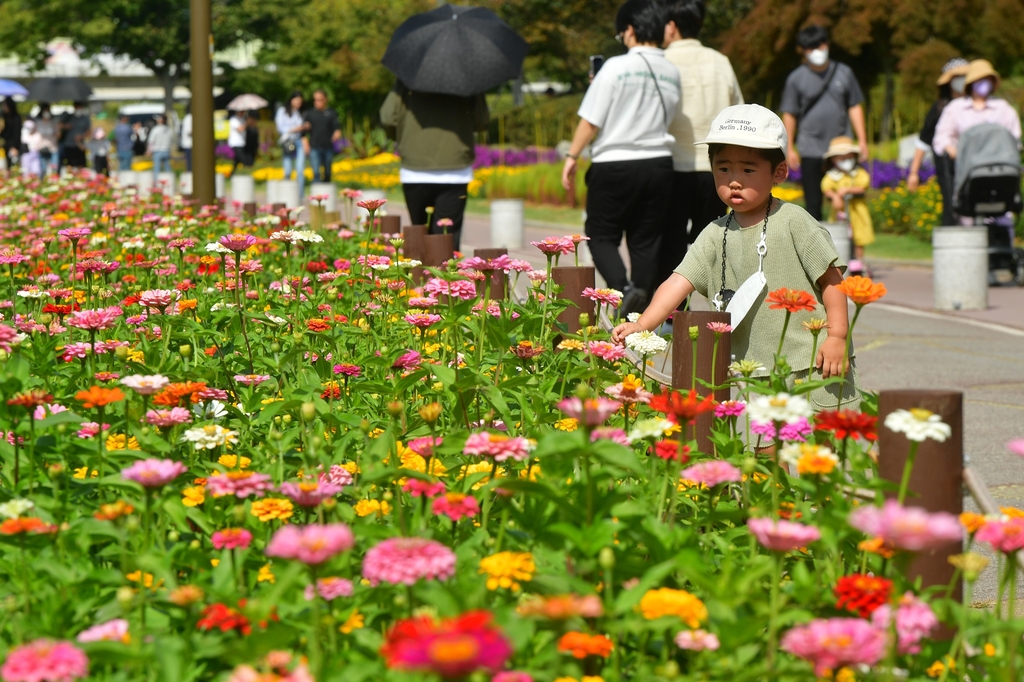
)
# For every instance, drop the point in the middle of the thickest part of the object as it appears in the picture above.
(626, 113)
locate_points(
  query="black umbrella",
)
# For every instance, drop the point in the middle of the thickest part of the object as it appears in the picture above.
(59, 89)
(455, 50)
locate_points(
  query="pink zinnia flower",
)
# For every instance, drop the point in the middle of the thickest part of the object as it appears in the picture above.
(312, 544)
(94, 320)
(422, 320)
(589, 412)
(8, 337)
(239, 483)
(512, 676)
(417, 487)
(497, 445)
(309, 493)
(90, 429)
(915, 620)
(712, 473)
(555, 245)
(237, 242)
(251, 379)
(167, 418)
(1004, 536)
(112, 631)
(158, 298)
(462, 289)
(790, 432)
(337, 475)
(422, 302)
(782, 536)
(611, 433)
(833, 643)
(1016, 446)
(633, 393)
(348, 370)
(154, 473)
(145, 385)
(404, 561)
(409, 360)
(73, 234)
(909, 528)
(730, 408)
(329, 589)
(453, 648)
(455, 506)
(720, 327)
(424, 445)
(606, 350)
(697, 640)
(45, 661)
(611, 297)
(371, 204)
(231, 538)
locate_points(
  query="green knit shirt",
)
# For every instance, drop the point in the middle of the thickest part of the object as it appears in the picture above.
(799, 252)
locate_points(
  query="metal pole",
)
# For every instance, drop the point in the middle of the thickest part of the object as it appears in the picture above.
(201, 53)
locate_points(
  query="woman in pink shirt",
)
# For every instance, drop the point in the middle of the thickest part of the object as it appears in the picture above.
(977, 107)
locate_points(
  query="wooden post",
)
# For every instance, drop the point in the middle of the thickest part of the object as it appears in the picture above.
(277, 206)
(249, 209)
(682, 364)
(498, 277)
(391, 224)
(573, 281)
(413, 236)
(437, 248)
(937, 478)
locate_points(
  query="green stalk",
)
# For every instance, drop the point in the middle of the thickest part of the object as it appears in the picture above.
(908, 466)
(773, 617)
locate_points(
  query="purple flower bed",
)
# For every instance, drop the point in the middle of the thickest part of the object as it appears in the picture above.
(223, 151)
(491, 156)
(883, 174)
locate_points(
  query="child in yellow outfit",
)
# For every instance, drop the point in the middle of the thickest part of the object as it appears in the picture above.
(845, 177)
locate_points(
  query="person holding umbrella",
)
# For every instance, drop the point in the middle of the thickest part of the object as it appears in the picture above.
(12, 132)
(626, 113)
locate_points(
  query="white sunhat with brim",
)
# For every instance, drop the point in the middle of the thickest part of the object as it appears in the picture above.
(748, 125)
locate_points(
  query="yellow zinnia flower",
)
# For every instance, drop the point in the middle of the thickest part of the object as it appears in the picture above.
(272, 508)
(506, 569)
(668, 602)
(193, 496)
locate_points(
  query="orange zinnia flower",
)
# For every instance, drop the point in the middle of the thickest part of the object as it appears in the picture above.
(861, 290)
(172, 394)
(581, 645)
(27, 524)
(97, 396)
(680, 407)
(791, 300)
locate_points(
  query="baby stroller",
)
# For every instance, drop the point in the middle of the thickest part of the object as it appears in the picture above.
(987, 188)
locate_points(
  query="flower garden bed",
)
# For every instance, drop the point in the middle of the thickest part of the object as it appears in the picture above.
(244, 450)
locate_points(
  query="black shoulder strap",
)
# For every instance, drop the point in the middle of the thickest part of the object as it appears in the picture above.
(664, 109)
(821, 93)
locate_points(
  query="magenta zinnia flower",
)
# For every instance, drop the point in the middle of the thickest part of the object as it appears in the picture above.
(712, 473)
(310, 493)
(239, 483)
(231, 538)
(8, 336)
(497, 445)
(836, 642)
(730, 408)
(606, 350)
(408, 361)
(615, 435)
(453, 648)
(348, 370)
(45, 661)
(94, 320)
(158, 298)
(422, 320)
(329, 589)
(337, 475)
(312, 544)
(167, 418)
(404, 561)
(419, 488)
(237, 242)
(455, 506)
(1004, 536)
(909, 528)
(424, 445)
(782, 536)
(154, 473)
(555, 245)
(915, 620)
(589, 412)
(612, 297)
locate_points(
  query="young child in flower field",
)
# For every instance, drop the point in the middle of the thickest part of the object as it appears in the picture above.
(845, 184)
(747, 147)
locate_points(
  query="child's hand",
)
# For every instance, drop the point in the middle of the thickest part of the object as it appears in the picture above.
(830, 357)
(620, 333)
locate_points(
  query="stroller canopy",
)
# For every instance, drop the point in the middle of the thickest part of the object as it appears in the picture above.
(986, 149)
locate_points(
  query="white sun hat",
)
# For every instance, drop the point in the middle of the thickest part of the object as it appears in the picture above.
(748, 125)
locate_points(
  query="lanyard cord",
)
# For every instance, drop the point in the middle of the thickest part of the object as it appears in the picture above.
(762, 249)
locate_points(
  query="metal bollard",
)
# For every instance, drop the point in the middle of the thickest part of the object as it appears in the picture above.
(185, 184)
(507, 225)
(243, 189)
(219, 185)
(498, 277)
(840, 233)
(960, 267)
(288, 193)
(166, 183)
(937, 479)
(573, 281)
(682, 364)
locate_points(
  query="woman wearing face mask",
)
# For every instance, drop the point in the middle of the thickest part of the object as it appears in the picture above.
(979, 106)
(951, 87)
(844, 185)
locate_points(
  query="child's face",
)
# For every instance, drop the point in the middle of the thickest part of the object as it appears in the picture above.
(744, 178)
(841, 160)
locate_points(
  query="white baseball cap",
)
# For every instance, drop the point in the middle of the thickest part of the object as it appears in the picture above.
(748, 125)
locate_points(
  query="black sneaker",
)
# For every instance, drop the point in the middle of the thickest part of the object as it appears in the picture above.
(634, 300)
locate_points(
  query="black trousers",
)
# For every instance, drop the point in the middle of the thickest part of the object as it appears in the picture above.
(449, 201)
(695, 201)
(631, 198)
(945, 170)
(101, 165)
(812, 171)
(73, 156)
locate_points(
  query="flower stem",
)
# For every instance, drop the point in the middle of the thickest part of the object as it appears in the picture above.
(908, 466)
(773, 616)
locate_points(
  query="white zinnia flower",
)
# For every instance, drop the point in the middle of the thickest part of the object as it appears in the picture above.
(408, 263)
(145, 385)
(212, 410)
(306, 236)
(646, 343)
(209, 437)
(781, 407)
(650, 428)
(136, 242)
(918, 425)
(220, 305)
(12, 509)
(633, 317)
(790, 453)
(217, 247)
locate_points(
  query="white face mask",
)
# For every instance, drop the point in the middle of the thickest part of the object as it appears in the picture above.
(846, 165)
(956, 84)
(818, 57)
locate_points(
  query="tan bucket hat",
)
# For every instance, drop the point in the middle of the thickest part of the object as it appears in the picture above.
(981, 68)
(953, 68)
(840, 146)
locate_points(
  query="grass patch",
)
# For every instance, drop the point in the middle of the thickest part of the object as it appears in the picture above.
(900, 247)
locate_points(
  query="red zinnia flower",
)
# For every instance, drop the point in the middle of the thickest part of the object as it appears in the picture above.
(452, 648)
(847, 424)
(682, 409)
(862, 594)
(669, 449)
(791, 300)
(224, 618)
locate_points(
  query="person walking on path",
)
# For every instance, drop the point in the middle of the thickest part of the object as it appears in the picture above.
(75, 128)
(12, 132)
(124, 143)
(708, 85)
(626, 113)
(290, 126)
(185, 141)
(159, 145)
(980, 82)
(434, 134)
(99, 150)
(46, 126)
(951, 86)
(820, 101)
(322, 131)
(236, 138)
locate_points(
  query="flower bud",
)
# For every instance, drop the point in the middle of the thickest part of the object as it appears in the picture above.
(364, 426)
(275, 347)
(388, 496)
(125, 597)
(329, 503)
(121, 352)
(173, 536)
(749, 465)
(395, 409)
(606, 558)
(297, 337)
(131, 523)
(431, 412)
(670, 670)
(582, 391)
(276, 435)
(316, 442)
(45, 318)
(694, 333)
(55, 470)
(287, 418)
(195, 544)
(185, 350)
(308, 411)
(584, 320)
(239, 512)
